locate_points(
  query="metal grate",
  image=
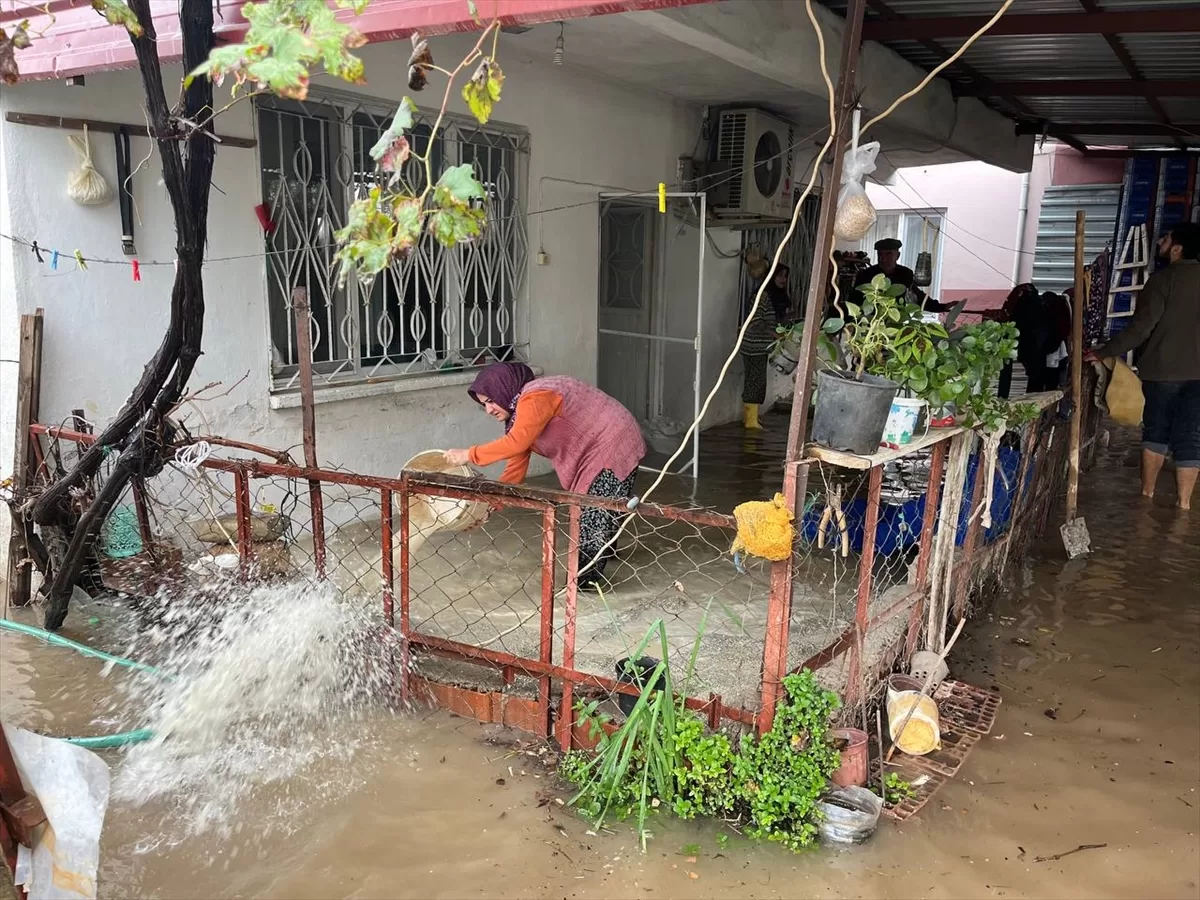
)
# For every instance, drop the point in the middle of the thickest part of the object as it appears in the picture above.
(731, 147)
(970, 708)
(436, 309)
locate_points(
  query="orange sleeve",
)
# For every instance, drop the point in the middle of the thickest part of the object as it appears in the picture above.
(534, 411)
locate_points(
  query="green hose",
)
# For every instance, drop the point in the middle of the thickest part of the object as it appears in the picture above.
(51, 637)
(106, 741)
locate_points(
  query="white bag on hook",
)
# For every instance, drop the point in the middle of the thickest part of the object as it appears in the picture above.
(855, 212)
(85, 185)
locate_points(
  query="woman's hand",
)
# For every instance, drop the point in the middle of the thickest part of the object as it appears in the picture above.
(458, 457)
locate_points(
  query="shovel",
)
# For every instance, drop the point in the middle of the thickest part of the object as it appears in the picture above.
(1074, 531)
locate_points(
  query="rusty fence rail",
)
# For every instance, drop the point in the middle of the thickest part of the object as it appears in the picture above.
(490, 619)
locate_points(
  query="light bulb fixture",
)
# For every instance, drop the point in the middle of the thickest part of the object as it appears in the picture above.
(558, 46)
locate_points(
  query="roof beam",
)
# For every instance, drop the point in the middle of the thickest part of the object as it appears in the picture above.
(1117, 129)
(886, 12)
(1171, 20)
(1123, 56)
(1093, 88)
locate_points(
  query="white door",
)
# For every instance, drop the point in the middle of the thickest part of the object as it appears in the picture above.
(626, 304)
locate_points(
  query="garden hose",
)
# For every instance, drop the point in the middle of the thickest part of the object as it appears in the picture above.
(100, 742)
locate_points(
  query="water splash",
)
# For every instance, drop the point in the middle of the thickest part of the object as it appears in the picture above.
(268, 686)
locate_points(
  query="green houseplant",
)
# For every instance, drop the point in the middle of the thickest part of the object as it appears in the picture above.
(852, 401)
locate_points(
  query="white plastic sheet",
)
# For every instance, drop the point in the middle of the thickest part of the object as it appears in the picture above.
(72, 784)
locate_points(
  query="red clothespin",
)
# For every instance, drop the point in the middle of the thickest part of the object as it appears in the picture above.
(137, 271)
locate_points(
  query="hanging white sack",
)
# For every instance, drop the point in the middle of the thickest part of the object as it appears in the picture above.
(856, 212)
(85, 185)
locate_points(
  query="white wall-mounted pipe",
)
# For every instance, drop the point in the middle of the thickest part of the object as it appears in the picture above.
(1022, 218)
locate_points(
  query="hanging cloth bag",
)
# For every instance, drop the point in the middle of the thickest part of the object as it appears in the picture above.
(85, 185)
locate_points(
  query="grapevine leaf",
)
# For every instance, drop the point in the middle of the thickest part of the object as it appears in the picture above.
(419, 63)
(20, 36)
(483, 90)
(452, 225)
(365, 244)
(458, 185)
(392, 149)
(117, 12)
(284, 40)
(9, 73)
(408, 214)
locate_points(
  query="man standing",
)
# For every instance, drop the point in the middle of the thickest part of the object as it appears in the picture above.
(1166, 325)
(888, 253)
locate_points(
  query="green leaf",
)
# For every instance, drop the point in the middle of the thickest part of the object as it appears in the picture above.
(409, 216)
(832, 325)
(365, 244)
(392, 149)
(483, 90)
(453, 225)
(853, 309)
(458, 185)
(117, 12)
(881, 283)
(896, 290)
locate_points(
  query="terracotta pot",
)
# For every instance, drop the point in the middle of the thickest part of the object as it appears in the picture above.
(853, 770)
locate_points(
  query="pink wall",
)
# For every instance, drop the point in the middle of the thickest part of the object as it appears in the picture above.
(1072, 167)
(981, 204)
(982, 208)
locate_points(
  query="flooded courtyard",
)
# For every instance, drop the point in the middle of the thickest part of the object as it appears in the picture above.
(1097, 743)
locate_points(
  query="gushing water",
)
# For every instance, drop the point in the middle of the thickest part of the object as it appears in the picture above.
(265, 688)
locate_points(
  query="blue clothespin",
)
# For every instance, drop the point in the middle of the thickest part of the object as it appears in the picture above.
(54, 260)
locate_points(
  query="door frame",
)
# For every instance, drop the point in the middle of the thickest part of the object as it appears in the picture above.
(661, 197)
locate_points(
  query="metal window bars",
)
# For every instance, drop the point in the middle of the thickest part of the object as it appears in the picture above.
(434, 310)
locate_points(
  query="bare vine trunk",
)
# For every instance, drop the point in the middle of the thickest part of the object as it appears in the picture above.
(140, 431)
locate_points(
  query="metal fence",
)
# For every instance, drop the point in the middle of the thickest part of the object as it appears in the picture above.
(490, 621)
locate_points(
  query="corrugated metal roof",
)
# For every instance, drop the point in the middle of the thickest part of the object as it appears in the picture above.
(1077, 57)
(1044, 56)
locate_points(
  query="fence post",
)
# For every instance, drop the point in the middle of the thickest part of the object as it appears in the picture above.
(779, 604)
(29, 375)
(933, 494)
(405, 582)
(546, 640)
(974, 528)
(245, 530)
(866, 563)
(566, 714)
(300, 309)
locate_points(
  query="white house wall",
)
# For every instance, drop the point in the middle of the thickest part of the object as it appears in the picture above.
(101, 327)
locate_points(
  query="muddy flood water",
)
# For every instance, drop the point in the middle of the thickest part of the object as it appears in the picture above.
(1097, 742)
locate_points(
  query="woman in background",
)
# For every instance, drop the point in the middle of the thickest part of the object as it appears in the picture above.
(593, 442)
(774, 309)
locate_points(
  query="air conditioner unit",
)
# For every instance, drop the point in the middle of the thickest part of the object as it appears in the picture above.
(760, 147)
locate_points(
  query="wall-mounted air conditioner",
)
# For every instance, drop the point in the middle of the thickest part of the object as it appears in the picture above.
(760, 148)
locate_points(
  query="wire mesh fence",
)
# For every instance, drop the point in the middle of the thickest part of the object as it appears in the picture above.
(480, 580)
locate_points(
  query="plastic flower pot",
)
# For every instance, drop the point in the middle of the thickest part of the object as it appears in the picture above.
(851, 414)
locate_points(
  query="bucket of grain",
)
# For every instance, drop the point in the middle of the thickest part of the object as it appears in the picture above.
(428, 514)
(922, 734)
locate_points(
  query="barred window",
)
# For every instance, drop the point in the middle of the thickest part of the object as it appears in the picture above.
(436, 310)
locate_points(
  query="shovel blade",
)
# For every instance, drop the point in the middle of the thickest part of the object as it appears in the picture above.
(1075, 538)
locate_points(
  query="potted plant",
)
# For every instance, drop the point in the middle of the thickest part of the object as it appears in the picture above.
(785, 352)
(852, 402)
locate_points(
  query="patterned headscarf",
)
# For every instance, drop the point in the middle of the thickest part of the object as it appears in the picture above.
(502, 383)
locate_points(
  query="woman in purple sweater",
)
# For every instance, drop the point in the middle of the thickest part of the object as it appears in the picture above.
(593, 442)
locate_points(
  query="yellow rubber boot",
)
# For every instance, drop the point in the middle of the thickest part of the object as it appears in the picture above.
(750, 417)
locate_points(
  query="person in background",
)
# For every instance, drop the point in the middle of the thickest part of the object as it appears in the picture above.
(593, 442)
(1036, 319)
(888, 253)
(1007, 313)
(1166, 326)
(774, 309)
